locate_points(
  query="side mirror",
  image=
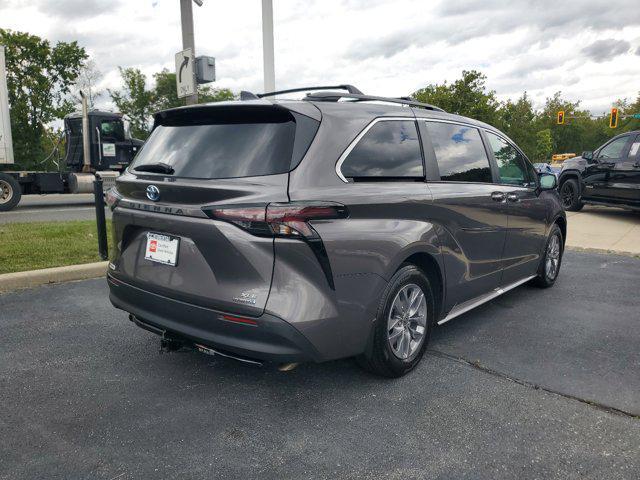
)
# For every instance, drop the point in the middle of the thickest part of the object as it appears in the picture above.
(588, 155)
(548, 181)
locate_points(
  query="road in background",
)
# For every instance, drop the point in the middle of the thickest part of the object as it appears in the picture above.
(535, 384)
(52, 208)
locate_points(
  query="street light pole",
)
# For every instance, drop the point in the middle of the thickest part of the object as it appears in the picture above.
(188, 40)
(267, 46)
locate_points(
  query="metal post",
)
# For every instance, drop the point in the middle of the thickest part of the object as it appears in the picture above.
(267, 46)
(101, 223)
(6, 143)
(188, 40)
(86, 152)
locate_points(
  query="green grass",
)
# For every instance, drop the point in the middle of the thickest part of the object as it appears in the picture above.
(29, 246)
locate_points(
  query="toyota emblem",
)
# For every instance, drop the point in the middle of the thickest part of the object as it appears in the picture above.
(153, 193)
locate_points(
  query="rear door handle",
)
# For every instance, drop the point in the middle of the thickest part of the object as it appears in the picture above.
(498, 196)
(512, 197)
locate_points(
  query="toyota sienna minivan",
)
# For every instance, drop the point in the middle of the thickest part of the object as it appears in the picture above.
(338, 225)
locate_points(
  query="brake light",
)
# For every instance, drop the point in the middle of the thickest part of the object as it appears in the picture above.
(241, 320)
(279, 219)
(289, 220)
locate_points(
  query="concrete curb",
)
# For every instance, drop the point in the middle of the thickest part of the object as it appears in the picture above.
(34, 278)
(602, 251)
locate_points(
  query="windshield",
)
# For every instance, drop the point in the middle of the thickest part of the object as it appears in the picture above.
(221, 150)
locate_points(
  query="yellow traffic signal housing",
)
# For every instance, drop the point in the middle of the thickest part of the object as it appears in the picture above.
(613, 119)
(561, 117)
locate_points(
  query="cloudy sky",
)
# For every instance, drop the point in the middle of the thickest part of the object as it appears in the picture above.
(590, 49)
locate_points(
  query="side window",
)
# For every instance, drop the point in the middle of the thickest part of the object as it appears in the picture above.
(512, 166)
(614, 149)
(635, 148)
(390, 149)
(112, 129)
(459, 152)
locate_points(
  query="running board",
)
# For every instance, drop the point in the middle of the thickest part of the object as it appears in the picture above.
(476, 302)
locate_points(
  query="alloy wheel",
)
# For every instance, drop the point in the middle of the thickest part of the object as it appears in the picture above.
(407, 321)
(552, 260)
(567, 195)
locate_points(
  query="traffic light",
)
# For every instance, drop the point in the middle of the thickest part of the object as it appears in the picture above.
(561, 117)
(613, 119)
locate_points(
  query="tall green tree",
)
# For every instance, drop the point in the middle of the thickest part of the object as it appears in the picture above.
(628, 108)
(466, 96)
(39, 78)
(544, 146)
(135, 101)
(517, 119)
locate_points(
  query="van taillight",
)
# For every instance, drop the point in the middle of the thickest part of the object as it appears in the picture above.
(288, 220)
(279, 219)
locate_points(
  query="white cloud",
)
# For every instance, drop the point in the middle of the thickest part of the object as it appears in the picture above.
(382, 47)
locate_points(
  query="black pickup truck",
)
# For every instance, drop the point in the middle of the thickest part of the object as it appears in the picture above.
(609, 175)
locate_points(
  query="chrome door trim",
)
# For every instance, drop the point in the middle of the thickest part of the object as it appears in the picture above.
(484, 298)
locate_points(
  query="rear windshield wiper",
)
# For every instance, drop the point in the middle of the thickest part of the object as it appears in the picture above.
(155, 168)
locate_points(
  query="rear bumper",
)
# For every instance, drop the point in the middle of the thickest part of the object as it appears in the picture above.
(271, 339)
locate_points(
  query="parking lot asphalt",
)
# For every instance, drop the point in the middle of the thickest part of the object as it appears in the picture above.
(536, 384)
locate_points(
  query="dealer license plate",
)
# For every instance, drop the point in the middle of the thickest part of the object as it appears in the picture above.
(162, 248)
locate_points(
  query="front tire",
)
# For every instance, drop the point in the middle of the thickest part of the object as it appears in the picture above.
(570, 195)
(403, 324)
(551, 260)
(10, 192)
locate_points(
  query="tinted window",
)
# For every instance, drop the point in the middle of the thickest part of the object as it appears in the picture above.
(511, 163)
(635, 148)
(459, 152)
(221, 150)
(389, 149)
(614, 149)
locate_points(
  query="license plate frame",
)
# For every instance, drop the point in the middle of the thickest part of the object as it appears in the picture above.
(162, 248)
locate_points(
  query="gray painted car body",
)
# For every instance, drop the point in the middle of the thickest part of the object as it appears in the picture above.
(471, 244)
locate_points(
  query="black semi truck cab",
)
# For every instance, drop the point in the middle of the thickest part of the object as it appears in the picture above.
(111, 150)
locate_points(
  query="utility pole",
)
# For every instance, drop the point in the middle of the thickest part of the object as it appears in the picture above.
(267, 46)
(188, 40)
(6, 143)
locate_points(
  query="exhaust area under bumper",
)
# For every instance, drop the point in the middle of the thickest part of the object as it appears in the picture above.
(253, 339)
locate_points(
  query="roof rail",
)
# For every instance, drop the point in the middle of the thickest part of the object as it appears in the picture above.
(335, 96)
(348, 88)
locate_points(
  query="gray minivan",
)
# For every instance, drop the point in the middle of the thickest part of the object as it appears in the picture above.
(337, 225)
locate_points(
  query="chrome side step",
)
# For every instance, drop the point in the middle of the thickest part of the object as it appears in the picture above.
(476, 302)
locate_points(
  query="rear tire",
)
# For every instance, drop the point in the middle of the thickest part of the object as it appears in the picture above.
(570, 195)
(403, 324)
(10, 192)
(551, 261)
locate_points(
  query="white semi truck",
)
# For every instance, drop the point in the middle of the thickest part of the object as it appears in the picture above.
(95, 144)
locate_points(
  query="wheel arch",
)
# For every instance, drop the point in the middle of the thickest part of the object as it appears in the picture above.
(564, 176)
(428, 264)
(562, 224)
